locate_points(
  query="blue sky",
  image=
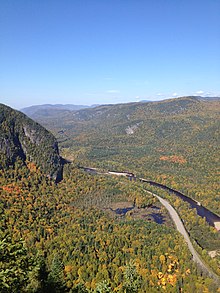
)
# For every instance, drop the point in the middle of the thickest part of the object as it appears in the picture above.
(107, 51)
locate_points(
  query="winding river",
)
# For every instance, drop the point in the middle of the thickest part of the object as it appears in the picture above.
(212, 218)
(180, 227)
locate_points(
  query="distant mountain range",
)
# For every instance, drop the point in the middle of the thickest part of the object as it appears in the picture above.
(51, 110)
(47, 111)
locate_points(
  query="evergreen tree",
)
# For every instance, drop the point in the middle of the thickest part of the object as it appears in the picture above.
(14, 265)
(133, 280)
(56, 277)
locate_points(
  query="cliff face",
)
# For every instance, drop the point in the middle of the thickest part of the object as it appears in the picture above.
(21, 137)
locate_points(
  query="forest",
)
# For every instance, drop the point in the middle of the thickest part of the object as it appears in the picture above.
(96, 233)
(174, 142)
(50, 244)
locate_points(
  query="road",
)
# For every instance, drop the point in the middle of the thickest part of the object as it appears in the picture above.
(180, 227)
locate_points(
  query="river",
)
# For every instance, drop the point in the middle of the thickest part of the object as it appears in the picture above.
(212, 218)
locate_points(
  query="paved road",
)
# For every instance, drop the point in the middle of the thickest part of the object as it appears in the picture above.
(180, 227)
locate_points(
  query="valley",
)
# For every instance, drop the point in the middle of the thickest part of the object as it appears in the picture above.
(95, 231)
(211, 218)
(109, 146)
(174, 142)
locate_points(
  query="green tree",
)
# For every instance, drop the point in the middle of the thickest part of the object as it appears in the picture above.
(56, 277)
(132, 279)
(103, 287)
(14, 265)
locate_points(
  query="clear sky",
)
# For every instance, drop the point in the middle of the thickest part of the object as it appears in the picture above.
(107, 51)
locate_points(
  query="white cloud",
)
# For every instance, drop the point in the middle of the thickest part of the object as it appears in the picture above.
(211, 94)
(207, 94)
(113, 91)
(199, 92)
(175, 95)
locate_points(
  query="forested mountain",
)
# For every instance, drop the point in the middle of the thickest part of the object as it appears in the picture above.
(96, 233)
(41, 111)
(22, 138)
(209, 98)
(175, 142)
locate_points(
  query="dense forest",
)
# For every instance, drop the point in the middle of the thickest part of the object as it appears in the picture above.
(93, 232)
(52, 242)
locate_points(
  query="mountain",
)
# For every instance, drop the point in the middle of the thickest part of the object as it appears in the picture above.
(99, 233)
(22, 138)
(49, 110)
(208, 98)
(173, 141)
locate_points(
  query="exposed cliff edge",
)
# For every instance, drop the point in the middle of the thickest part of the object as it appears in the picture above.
(22, 138)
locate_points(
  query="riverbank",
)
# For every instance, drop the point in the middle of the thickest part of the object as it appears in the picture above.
(180, 227)
(176, 219)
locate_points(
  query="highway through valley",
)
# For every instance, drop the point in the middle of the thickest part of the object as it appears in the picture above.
(176, 219)
(180, 227)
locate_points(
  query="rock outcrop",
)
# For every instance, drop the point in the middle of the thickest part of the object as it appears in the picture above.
(22, 138)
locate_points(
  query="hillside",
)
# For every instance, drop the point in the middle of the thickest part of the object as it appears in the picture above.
(95, 232)
(175, 142)
(73, 244)
(49, 110)
(22, 138)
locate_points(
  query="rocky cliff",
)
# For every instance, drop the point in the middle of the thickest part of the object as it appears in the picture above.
(22, 138)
